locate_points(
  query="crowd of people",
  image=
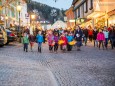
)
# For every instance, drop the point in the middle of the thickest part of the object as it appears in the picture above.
(66, 39)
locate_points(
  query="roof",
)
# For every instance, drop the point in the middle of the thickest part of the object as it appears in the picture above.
(74, 1)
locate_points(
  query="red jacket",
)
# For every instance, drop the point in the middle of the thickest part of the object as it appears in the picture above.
(64, 39)
(90, 32)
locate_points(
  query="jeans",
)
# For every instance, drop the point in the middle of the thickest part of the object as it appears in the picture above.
(26, 47)
(39, 46)
(106, 42)
(85, 40)
(95, 43)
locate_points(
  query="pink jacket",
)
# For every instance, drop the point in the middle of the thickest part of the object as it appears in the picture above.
(50, 38)
(100, 36)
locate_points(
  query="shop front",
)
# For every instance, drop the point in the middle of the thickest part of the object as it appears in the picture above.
(111, 17)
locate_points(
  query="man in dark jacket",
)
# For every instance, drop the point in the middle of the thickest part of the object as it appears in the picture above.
(95, 32)
(112, 36)
(85, 34)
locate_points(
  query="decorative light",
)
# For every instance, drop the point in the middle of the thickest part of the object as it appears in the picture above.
(33, 16)
(6, 17)
(19, 8)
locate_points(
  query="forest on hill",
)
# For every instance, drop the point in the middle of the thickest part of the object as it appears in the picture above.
(45, 12)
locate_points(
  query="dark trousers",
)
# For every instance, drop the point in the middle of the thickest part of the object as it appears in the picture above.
(39, 47)
(85, 40)
(112, 42)
(69, 47)
(106, 42)
(56, 47)
(90, 37)
(101, 42)
(50, 48)
(26, 47)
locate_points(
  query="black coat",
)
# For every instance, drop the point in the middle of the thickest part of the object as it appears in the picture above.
(80, 33)
(95, 35)
(85, 32)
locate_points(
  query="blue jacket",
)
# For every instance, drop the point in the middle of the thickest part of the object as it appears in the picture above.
(70, 38)
(39, 38)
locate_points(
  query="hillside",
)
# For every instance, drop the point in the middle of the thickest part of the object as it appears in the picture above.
(44, 11)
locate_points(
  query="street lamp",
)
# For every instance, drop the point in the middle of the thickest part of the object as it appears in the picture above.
(33, 16)
(6, 20)
(19, 8)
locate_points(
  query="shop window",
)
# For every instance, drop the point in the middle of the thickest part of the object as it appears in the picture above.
(78, 12)
(91, 4)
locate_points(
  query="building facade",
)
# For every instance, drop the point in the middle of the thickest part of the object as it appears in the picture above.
(9, 10)
(94, 12)
(70, 17)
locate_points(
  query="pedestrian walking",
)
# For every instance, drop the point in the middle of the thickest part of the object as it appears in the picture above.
(69, 39)
(64, 44)
(85, 33)
(95, 32)
(78, 37)
(90, 33)
(25, 41)
(112, 36)
(32, 40)
(101, 39)
(50, 39)
(56, 38)
(106, 34)
(39, 39)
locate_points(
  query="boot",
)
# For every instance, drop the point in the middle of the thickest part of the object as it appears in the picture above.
(40, 49)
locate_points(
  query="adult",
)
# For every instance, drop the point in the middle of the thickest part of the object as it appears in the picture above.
(112, 36)
(90, 33)
(106, 34)
(101, 38)
(85, 33)
(95, 32)
(78, 37)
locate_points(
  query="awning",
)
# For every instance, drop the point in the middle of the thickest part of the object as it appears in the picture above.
(1, 22)
(96, 14)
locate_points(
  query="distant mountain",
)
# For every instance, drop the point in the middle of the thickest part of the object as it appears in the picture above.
(45, 12)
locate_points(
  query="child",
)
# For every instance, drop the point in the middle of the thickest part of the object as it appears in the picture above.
(40, 40)
(64, 45)
(32, 40)
(25, 41)
(69, 39)
(56, 38)
(50, 39)
(101, 39)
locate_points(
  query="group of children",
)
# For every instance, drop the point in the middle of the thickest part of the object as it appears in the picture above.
(54, 41)
(66, 39)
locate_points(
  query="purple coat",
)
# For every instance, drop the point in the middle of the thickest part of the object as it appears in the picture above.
(56, 38)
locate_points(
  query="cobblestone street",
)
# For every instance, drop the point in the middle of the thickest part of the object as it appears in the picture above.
(89, 67)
